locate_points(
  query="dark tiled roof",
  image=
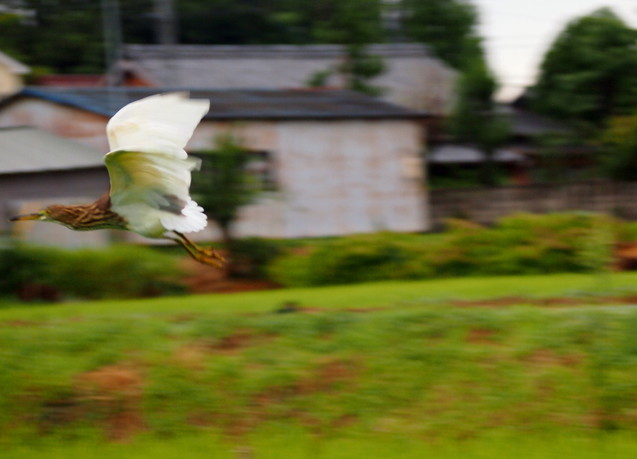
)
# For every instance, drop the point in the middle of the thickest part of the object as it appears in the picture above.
(236, 104)
(528, 124)
(261, 52)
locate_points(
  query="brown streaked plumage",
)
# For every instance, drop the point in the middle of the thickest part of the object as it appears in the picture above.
(98, 215)
(85, 217)
(149, 177)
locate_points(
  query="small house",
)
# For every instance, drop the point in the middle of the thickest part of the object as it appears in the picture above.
(413, 76)
(335, 162)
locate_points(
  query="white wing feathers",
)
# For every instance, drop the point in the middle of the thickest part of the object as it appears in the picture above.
(148, 167)
(160, 123)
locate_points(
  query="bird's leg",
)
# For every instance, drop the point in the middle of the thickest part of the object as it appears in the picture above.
(207, 255)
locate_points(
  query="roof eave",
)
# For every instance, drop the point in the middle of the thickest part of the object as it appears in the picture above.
(317, 117)
(49, 170)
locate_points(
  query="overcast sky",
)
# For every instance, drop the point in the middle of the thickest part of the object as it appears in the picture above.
(518, 32)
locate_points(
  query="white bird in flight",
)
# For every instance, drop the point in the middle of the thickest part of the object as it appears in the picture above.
(149, 176)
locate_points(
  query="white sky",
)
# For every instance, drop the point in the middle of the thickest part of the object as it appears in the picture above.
(517, 33)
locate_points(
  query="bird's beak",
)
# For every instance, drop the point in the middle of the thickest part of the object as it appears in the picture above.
(35, 216)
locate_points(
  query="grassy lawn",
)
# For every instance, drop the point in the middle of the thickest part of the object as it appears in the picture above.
(362, 371)
(290, 444)
(380, 294)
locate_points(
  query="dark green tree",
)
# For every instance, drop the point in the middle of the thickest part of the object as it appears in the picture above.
(354, 24)
(475, 120)
(590, 71)
(619, 148)
(237, 21)
(67, 35)
(447, 26)
(223, 185)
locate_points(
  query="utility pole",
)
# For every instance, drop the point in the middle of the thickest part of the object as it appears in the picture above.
(112, 30)
(166, 22)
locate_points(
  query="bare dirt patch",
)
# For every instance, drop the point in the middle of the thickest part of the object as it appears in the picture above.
(191, 356)
(548, 357)
(206, 279)
(481, 336)
(238, 341)
(115, 391)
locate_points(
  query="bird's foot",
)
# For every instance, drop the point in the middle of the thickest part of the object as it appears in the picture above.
(206, 255)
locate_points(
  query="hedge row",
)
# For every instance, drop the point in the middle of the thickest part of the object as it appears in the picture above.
(519, 244)
(43, 273)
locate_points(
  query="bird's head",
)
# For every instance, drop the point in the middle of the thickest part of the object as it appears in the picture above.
(54, 213)
(40, 215)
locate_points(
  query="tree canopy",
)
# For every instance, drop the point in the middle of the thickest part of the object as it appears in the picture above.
(67, 35)
(474, 119)
(223, 185)
(447, 26)
(590, 70)
(619, 147)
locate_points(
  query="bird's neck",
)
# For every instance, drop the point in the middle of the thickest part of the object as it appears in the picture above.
(93, 216)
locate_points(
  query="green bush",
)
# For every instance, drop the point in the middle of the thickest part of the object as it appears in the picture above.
(518, 244)
(21, 265)
(114, 272)
(251, 255)
(346, 260)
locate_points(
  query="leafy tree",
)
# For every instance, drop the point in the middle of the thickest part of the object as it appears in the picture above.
(223, 186)
(12, 35)
(590, 71)
(359, 67)
(619, 152)
(353, 24)
(474, 118)
(67, 35)
(447, 26)
(236, 22)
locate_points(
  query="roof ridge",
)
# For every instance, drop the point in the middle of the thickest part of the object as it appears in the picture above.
(238, 103)
(272, 51)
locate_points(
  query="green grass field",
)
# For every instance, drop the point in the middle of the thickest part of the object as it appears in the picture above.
(399, 369)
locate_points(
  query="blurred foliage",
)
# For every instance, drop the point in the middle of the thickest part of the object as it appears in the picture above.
(354, 24)
(420, 370)
(250, 256)
(474, 120)
(43, 273)
(619, 142)
(518, 244)
(564, 157)
(67, 35)
(590, 70)
(223, 185)
(449, 27)
(462, 176)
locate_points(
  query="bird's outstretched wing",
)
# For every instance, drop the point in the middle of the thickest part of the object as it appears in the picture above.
(148, 167)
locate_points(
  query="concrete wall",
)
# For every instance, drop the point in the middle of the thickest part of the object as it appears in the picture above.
(486, 205)
(334, 177)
